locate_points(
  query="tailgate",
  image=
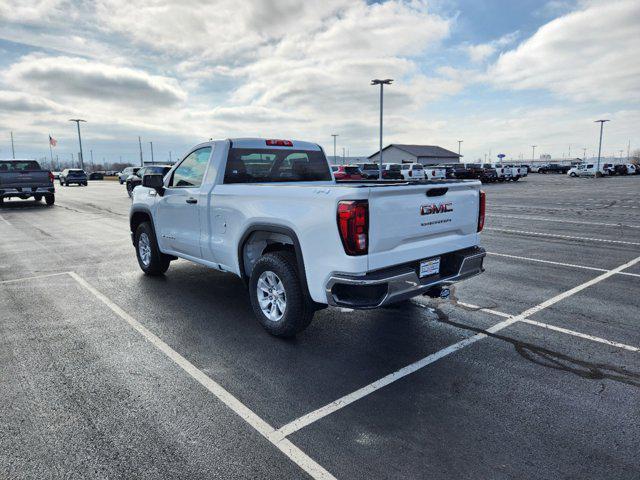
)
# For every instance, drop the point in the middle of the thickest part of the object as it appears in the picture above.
(406, 225)
(24, 179)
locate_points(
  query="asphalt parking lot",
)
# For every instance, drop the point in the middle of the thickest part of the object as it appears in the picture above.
(530, 371)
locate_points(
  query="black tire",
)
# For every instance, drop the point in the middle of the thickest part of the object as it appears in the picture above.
(61, 183)
(1, 202)
(50, 199)
(37, 198)
(299, 309)
(129, 190)
(158, 261)
(121, 181)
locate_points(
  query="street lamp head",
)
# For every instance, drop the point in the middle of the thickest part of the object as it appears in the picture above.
(76, 120)
(386, 81)
(602, 121)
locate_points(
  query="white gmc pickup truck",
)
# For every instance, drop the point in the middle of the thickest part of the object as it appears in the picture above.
(270, 212)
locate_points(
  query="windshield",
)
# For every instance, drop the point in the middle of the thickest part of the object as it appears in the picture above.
(19, 166)
(259, 165)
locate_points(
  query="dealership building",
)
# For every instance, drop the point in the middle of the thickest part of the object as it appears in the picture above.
(424, 154)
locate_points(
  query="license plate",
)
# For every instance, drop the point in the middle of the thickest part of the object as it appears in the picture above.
(429, 267)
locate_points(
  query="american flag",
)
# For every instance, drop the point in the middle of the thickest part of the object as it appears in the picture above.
(52, 141)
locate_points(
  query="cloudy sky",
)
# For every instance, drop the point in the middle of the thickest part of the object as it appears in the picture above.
(501, 75)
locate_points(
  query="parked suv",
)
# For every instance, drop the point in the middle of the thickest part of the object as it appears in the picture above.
(346, 172)
(126, 173)
(136, 179)
(73, 175)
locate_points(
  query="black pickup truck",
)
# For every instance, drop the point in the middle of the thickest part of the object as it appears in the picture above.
(25, 179)
(554, 168)
(475, 171)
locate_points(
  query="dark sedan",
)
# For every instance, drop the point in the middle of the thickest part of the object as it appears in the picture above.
(136, 179)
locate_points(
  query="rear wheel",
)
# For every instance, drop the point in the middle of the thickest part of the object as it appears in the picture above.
(129, 190)
(50, 198)
(37, 198)
(151, 260)
(278, 298)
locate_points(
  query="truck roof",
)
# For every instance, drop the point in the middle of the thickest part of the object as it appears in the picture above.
(262, 143)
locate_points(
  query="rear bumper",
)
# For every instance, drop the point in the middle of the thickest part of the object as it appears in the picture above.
(25, 191)
(402, 282)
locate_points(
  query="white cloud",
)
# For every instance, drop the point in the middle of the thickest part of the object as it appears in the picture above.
(587, 55)
(77, 78)
(482, 51)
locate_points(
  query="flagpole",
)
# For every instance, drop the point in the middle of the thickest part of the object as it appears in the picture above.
(51, 153)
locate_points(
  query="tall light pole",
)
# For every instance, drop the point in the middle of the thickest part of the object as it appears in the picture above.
(600, 144)
(584, 154)
(382, 83)
(140, 145)
(78, 120)
(533, 153)
(152, 161)
(459, 142)
(91, 153)
(334, 135)
(13, 150)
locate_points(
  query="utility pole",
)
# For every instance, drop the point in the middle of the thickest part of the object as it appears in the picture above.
(628, 151)
(584, 154)
(81, 156)
(621, 154)
(459, 142)
(344, 159)
(334, 135)
(73, 162)
(533, 153)
(51, 152)
(600, 144)
(140, 145)
(91, 152)
(382, 83)
(152, 161)
(170, 160)
(13, 150)
(569, 150)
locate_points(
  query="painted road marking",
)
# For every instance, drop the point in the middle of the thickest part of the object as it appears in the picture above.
(572, 265)
(5, 220)
(350, 398)
(553, 327)
(305, 462)
(35, 277)
(553, 235)
(577, 222)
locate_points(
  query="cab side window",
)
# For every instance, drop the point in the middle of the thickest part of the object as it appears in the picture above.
(191, 171)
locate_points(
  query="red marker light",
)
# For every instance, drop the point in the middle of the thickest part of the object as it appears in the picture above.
(280, 143)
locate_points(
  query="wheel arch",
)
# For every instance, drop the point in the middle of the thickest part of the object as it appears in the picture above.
(273, 235)
(138, 216)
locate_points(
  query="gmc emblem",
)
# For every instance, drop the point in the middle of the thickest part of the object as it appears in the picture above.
(433, 208)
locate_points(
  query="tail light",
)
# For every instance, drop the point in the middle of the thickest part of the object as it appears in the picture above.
(481, 210)
(280, 143)
(51, 177)
(353, 225)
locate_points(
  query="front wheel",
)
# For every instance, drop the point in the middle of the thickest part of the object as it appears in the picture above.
(277, 296)
(37, 198)
(50, 199)
(151, 260)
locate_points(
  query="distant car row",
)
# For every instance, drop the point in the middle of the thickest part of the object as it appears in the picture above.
(485, 172)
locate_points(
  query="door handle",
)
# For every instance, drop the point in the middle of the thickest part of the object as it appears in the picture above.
(192, 200)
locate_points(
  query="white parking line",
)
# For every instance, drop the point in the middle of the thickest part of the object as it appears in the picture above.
(553, 235)
(572, 265)
(554, 328)
(350, 398)
(559, 220)
(35, 277)
(305, 462)
(5, 220)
